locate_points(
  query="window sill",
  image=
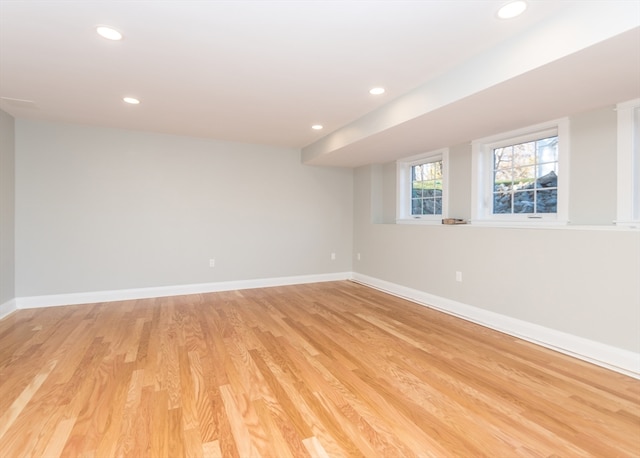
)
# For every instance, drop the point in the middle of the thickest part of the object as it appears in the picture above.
(526, 224)
(555, 225)
(548, 225)
(421, 222)
(627, 224)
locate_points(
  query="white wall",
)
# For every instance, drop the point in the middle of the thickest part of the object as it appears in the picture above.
(7, 209)
(580, 280)
(593, 167)
(102, 209)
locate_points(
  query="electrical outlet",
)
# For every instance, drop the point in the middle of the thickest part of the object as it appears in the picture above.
(358, 256)
(333, 256)
(459, 276)
(212, 262)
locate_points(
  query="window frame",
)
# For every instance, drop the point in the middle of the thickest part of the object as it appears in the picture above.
(628, 164)
(403, 193)
(482, 175)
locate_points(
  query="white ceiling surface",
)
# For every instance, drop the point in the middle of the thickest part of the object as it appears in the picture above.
(264, 71)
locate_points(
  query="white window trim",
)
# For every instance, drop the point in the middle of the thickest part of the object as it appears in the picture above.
(628, 155)
(403, 192)
(482, 182)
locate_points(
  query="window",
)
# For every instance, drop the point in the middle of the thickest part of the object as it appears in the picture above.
(525, 178)
(422, 193)
(628, 212)
(521, 176)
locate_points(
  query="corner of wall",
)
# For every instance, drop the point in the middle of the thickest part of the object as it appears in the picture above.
(8, 308)
(7, 211)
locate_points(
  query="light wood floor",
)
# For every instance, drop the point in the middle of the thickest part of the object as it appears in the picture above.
(329, 369)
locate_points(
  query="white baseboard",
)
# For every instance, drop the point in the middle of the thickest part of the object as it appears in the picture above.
(165, 291)
(617, 359)
(7, 308)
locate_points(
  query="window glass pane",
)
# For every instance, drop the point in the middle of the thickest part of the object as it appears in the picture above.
(502, 203)
(430, 184)
(524, 177)
(547, 201)
(548, 177)
(416, 206)
(424, 172)
(524, 154)
(523, 202)
(429, 207)
(414, 174)
(416, 190)
(438, 206)
(437, 170)
(547, 150)
(428, 171)
(503, 177)
(502, 158)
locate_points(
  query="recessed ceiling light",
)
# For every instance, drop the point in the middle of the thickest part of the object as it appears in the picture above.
(512, 9)
(108, 32)
(377, 91)
(317, 127)
(131, 100)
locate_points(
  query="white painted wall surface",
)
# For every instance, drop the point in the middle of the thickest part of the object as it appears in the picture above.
(103, 209)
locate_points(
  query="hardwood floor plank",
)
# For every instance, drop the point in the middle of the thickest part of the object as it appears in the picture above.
(296, 425)
(188, 397)
(176, 436)
(226, 441)
(34, 426)
(141, 434)
(151, 358)
(168, 363)
(18, 405)
(276, 439)
(315, 448)
(205, 418)
(97, 406)
(159, 431)
(124, 444)
(211, 450)
(113, 409)
(59, 438)
(193, 446)
(330, 369)
(237, 415)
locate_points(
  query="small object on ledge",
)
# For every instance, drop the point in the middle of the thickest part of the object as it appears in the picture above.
(453, 221)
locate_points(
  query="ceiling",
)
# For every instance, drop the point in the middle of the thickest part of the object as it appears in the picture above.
(264, 71)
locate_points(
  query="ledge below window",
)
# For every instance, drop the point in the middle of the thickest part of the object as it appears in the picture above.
(555, 225)
(421, 222)
(528, 224)
(627, 224)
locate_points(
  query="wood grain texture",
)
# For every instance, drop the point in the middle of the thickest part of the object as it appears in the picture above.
(320, 370)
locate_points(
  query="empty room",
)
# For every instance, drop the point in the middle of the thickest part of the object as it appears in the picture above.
(319, 228)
